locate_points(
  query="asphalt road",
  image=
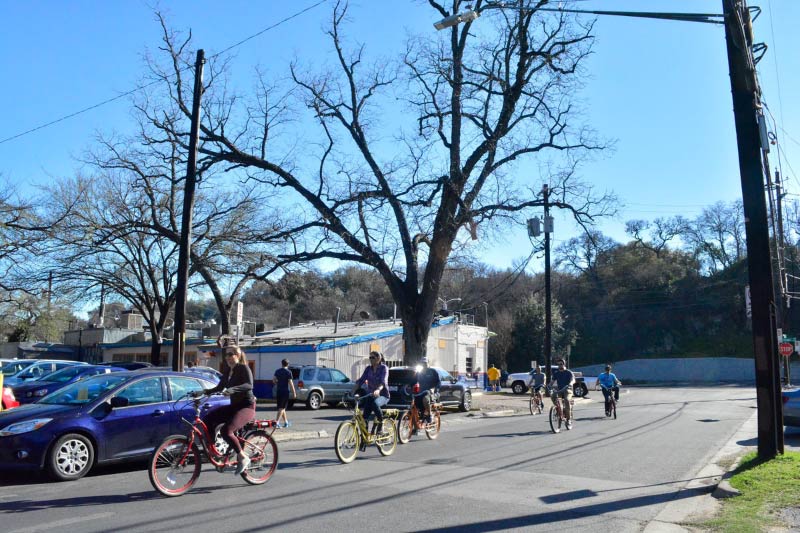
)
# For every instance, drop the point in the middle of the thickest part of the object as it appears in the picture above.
(482, 474)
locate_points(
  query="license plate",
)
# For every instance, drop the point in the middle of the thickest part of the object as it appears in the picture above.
(392, 388)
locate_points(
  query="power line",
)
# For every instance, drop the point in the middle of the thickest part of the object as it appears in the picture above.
(140, 87)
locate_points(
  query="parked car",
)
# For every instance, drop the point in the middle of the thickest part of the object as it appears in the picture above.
(519, 382)
(102, 419)
(8, 400)
(316, 385)
(452, 393)
(35, 389)
(25, 369)
(3, 362)
(203, 371)
(129, 365)
(791, 407)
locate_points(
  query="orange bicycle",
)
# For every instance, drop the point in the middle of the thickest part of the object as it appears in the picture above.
(411, 422)
(176, 463)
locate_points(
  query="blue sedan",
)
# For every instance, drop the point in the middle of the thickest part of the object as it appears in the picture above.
(102, 419)
(35, 389)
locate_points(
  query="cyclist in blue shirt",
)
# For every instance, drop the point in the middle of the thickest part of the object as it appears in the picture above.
(609, 382)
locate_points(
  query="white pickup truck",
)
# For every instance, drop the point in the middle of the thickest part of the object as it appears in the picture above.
(519, 383)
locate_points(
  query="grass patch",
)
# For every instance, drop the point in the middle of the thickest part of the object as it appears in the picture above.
(767, 487)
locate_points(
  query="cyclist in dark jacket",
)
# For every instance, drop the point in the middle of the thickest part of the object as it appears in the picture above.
(429, 382)
(237, 383)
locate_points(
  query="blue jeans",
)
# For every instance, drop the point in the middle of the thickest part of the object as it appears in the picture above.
(371, 403)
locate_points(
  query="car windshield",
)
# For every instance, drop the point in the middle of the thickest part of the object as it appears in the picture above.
(86, 390)
(13, 368)
(63, 375)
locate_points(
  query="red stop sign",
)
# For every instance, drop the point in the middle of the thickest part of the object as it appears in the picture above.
(786, 348)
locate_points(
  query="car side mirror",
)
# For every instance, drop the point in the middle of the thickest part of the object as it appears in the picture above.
(119, 401)
(346, 380)
(452, 380)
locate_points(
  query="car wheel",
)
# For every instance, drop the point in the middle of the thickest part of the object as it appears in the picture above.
(580, 390)
(314, 401)
(70, 458)
(466, 402)
(518, 387)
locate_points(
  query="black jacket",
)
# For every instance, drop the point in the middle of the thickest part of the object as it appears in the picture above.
(239, 382)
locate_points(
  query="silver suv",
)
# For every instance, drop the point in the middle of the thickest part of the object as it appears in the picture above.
(319, 384)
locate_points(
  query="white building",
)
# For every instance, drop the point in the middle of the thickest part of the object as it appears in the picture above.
(456, 347)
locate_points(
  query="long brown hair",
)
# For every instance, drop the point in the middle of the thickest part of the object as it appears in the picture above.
(235, 350)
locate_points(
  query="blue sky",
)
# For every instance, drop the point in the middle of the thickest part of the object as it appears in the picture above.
(660, 89)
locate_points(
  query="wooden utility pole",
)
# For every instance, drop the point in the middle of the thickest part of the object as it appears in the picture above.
(548, 314)
(179, 340)
(746, 108)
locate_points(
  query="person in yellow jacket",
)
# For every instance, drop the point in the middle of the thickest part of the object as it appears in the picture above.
(494, 378)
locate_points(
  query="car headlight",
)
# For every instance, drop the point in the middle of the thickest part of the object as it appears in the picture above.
(40, 392)
(24, 427)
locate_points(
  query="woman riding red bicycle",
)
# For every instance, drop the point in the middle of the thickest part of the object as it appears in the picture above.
(237, 383)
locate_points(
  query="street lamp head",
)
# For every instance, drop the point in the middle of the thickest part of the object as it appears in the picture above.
(458, 18)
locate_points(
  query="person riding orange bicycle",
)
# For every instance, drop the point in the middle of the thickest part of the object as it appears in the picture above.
(237, 383)
(429, 382)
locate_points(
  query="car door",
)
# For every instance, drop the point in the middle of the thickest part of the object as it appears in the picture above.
(324, 381)
(138, 427)
(446, 389)
(179, 387)
(341, 384)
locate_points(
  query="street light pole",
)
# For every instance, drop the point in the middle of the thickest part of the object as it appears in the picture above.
(179, 340)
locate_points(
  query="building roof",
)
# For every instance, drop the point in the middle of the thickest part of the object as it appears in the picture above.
(322, 335)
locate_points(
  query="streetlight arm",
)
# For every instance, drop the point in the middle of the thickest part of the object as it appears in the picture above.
(469, 15)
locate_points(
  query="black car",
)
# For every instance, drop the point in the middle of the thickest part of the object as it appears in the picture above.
(452, 393)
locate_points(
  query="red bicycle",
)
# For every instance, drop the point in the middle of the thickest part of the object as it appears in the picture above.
(177, 462)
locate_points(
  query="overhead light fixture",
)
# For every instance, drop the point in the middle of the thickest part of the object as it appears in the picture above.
(458, 18)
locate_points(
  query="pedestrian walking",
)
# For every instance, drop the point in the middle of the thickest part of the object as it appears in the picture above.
(494, 378)
(283, 383)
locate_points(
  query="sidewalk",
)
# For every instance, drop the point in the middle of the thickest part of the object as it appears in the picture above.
(711, 483)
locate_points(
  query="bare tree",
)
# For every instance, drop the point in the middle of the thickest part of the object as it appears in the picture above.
(233, 226)
(717, 236)
(482, 102)
(96, 245)
(656, 235)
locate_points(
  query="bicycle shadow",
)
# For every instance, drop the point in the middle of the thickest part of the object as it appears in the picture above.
(506, 435)
(297, 465)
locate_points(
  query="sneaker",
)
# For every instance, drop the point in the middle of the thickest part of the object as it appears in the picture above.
(287, 424)
(429, 419)
(242, 465)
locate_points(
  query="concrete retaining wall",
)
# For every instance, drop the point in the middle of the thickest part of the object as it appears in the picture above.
(697, 370)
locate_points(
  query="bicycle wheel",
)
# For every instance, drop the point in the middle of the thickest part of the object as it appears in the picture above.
(263, 453)
(404, 428)
(346, 441)
(386, 440)
(175, 466)
(614, 409)
(432, 429)
(539, 404)
(608, 408)
(532, 405)
(555, 420)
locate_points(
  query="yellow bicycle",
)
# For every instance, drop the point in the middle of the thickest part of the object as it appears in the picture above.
(353, 435)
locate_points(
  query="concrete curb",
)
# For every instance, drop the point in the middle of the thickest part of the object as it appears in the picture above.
(503, 412)
(284, 436)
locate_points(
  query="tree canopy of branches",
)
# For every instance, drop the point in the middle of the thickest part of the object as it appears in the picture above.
(480, 102)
